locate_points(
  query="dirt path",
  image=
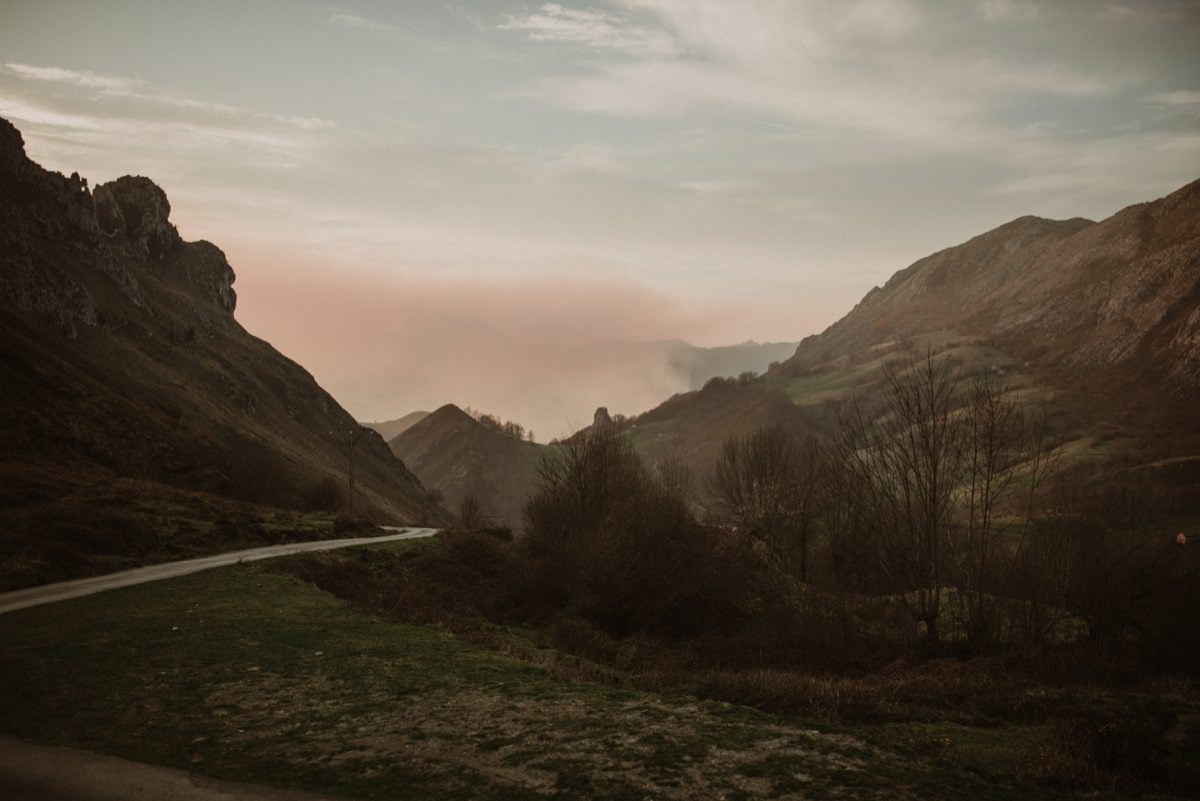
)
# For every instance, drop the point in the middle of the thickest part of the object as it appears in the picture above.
(30, 772)
(60, 591)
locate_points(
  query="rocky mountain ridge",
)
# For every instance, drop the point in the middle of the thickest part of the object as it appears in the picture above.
(1121, 294)
(121, 355)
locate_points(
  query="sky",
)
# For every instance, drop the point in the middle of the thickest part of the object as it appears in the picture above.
(430, 202)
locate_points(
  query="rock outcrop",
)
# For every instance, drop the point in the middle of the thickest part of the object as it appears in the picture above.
(136, 208)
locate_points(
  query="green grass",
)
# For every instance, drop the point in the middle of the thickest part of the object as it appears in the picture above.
(249, 675)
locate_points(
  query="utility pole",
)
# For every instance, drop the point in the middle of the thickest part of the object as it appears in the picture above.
(350, 436)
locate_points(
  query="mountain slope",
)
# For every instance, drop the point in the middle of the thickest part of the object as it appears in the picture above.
(1101, 321)
(120, 355)
(455, 453)
(1118, 295)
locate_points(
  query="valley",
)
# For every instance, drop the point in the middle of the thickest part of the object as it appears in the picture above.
(934, 539)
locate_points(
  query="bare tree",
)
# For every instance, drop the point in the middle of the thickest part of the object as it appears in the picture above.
(939, 468)
(1005, 456)
(470, 512)
(676, 477)
(766, 483)
(905, 462)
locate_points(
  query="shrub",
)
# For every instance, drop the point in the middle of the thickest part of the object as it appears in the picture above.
(1107, 746)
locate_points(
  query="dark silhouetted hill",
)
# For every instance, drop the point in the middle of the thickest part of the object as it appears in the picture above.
(452, 451)
(120, 356)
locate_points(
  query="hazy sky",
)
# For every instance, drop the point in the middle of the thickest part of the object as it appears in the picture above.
(429, 202)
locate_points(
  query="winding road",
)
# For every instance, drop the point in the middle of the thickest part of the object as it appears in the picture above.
(61, 591)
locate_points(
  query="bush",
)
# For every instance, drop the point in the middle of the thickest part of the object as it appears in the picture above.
(1107, 746)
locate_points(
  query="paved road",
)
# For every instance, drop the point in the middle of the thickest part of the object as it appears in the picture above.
(49, 593)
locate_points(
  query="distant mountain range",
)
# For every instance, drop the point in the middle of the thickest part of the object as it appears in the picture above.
(460, 456)
(389, 429)
(120, 356)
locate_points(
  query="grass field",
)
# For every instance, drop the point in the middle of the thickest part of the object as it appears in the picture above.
(245, 674)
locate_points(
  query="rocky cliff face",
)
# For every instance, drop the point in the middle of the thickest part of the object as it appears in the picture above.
(120, 352)
(122, 228)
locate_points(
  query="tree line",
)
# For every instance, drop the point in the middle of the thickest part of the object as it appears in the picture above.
(506, 427)
(936, 516)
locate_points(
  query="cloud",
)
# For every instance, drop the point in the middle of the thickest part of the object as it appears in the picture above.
(590, 28)
(112, 86)
(86, 79)
(1148, 12)
(1048, 79)
(882, 67)
(1018, 10)
(516, 348)
(104, 132)
(224, 109)
(1186, 102)
(15, 108)
(343, 19)
(1145, 164)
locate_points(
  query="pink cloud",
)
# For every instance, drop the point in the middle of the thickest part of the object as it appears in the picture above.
(386, 345)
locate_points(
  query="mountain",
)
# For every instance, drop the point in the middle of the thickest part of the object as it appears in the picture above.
(1098, 321)
(460, 456)
(1101, 320)
(390, 429)
(453, 452)
(120, 357)
(1122, 294)
(691, 428)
